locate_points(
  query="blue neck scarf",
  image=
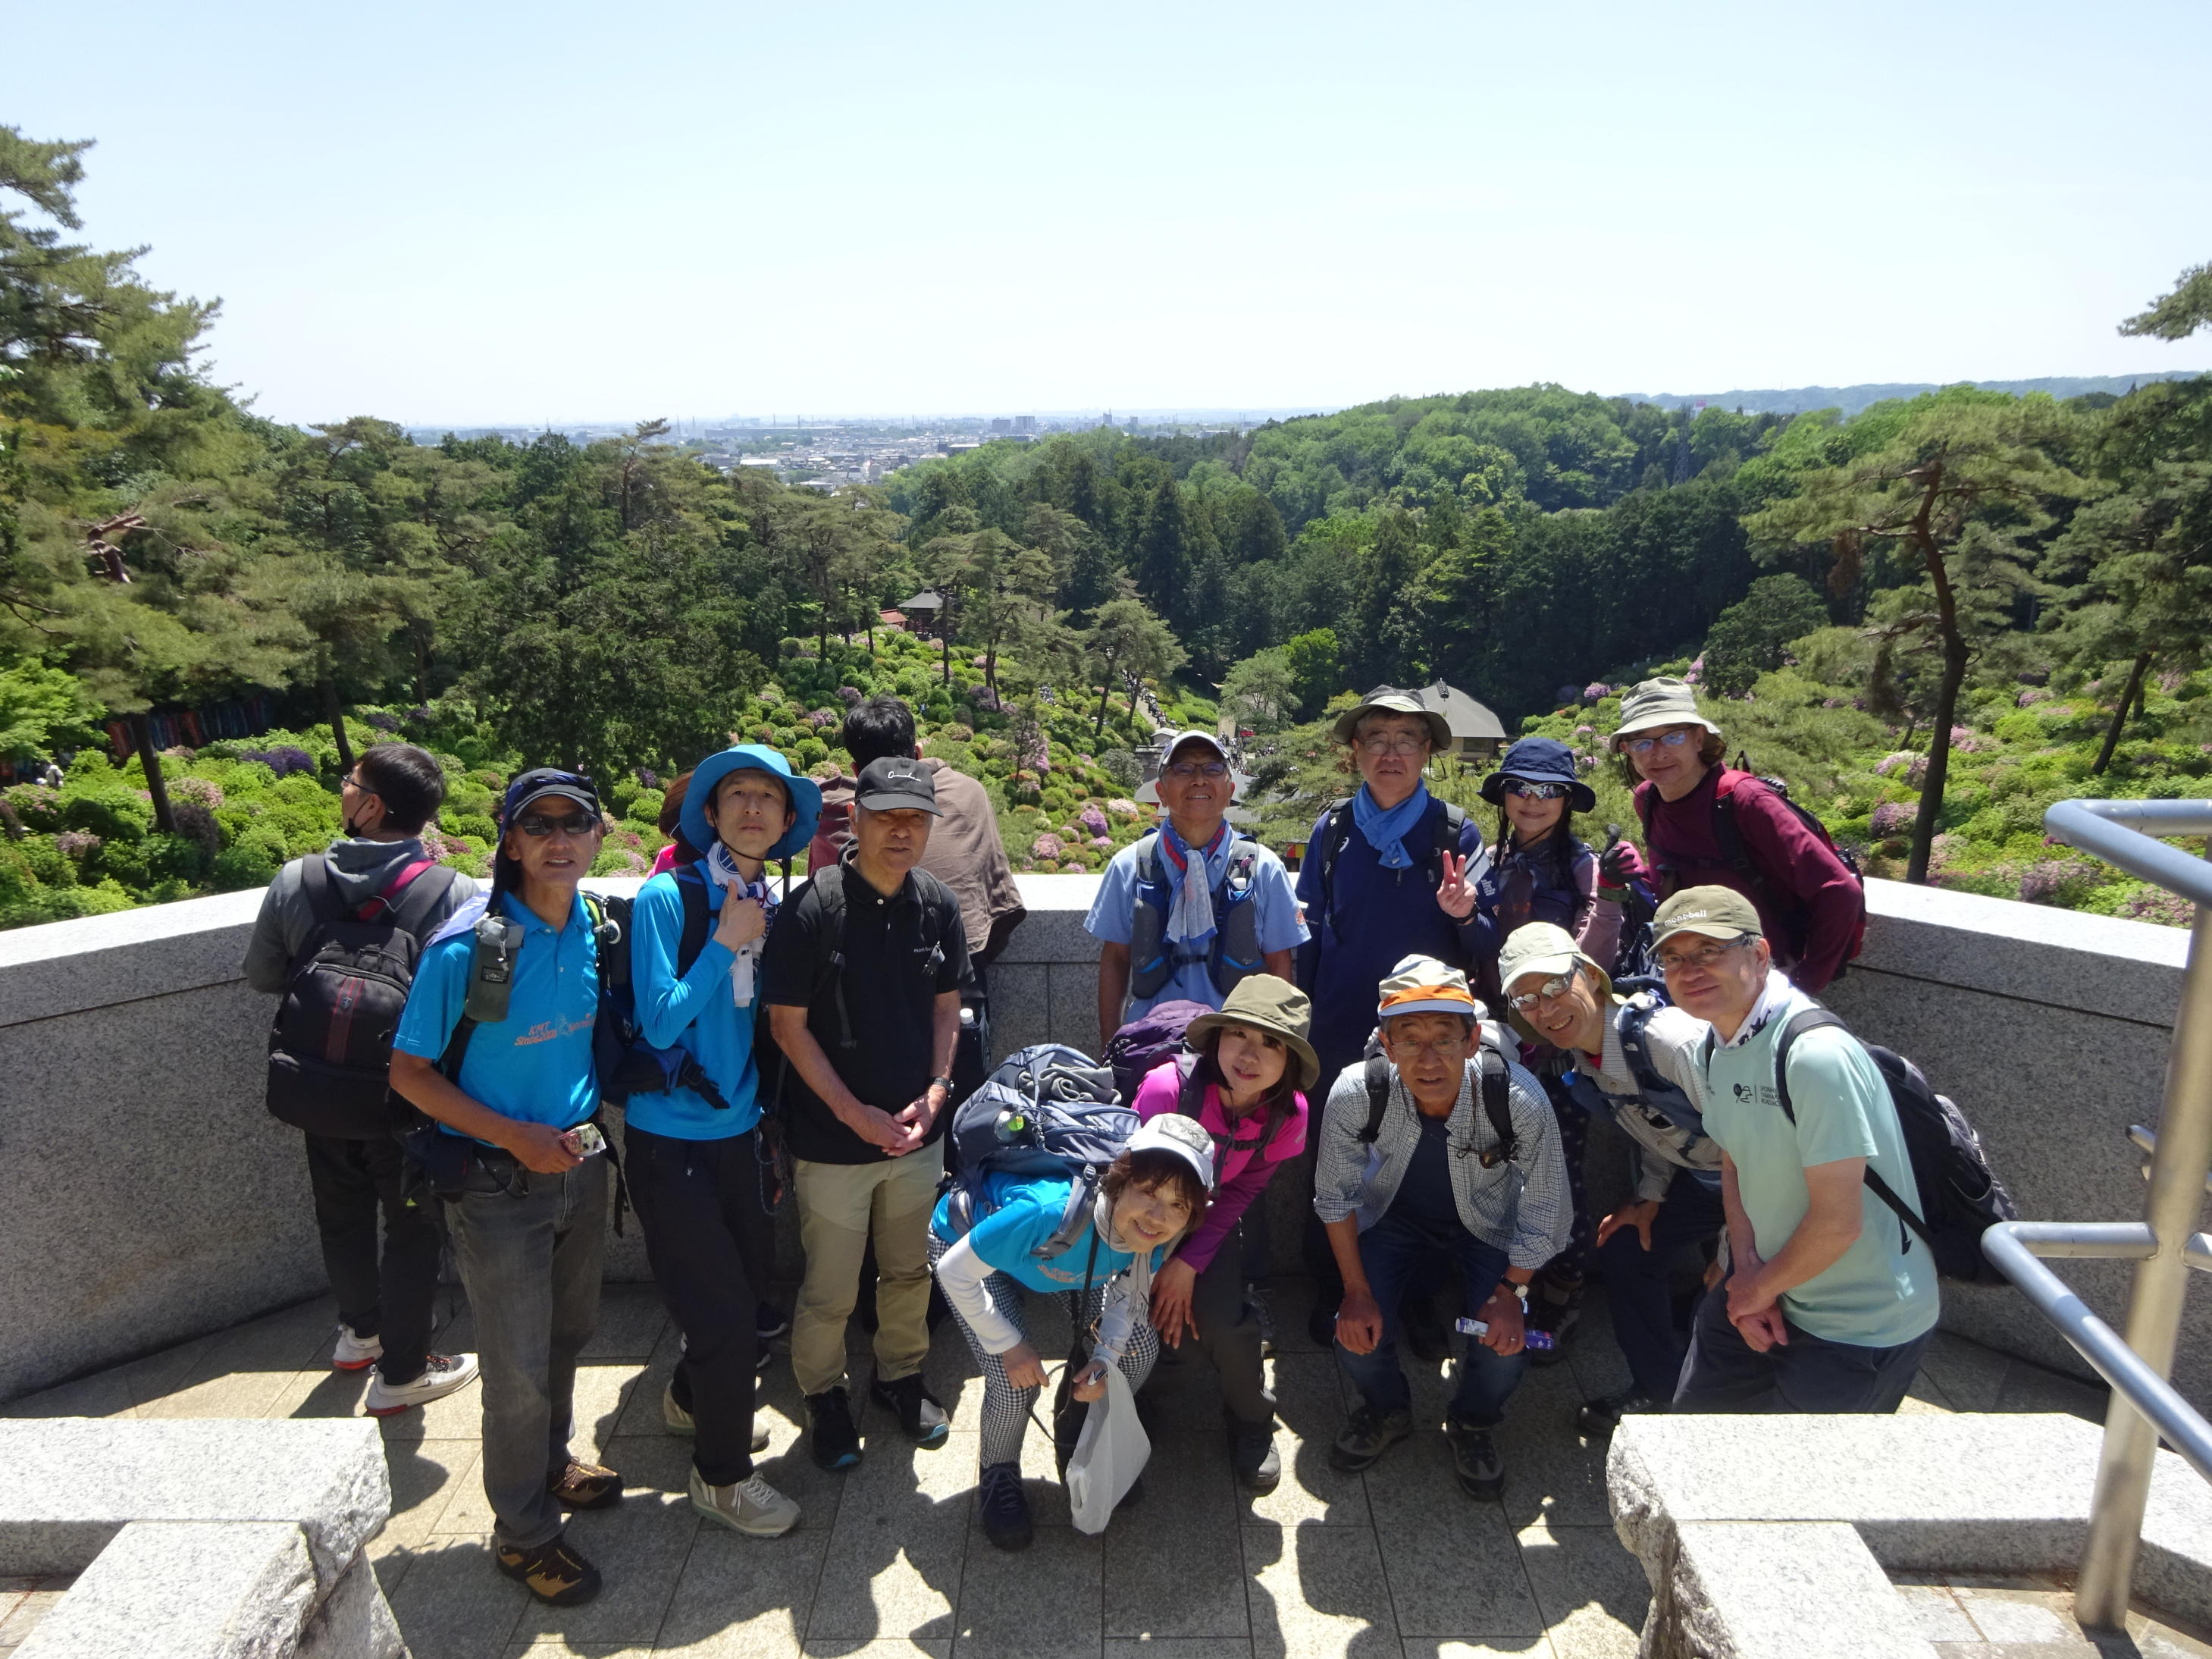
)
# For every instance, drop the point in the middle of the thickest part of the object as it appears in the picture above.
(1386, 831)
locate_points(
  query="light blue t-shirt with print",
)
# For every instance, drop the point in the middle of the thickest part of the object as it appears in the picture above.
(1114, 913)
(1882, 1292)
(1024, 1211)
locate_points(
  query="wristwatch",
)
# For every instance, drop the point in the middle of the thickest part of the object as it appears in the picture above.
(943, 1082)
(1519, 1291)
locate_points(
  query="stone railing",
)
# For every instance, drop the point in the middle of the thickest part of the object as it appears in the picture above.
(150, 1198)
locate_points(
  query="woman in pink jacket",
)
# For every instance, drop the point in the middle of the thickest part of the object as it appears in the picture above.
(1244, 1081)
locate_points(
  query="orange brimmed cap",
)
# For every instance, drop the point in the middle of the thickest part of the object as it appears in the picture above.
(1422, 985)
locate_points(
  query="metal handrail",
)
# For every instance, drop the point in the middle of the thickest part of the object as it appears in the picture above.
(2164, 1246)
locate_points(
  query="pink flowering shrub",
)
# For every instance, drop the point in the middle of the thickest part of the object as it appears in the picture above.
(1121, 807)
(2040, 883)
(77, 843)
(1048, 845)
(1104, 843)
(1094, 818)
(2031, 696)
(206, 791)
(1891, 819)
(1890, 764)
(1595, 689)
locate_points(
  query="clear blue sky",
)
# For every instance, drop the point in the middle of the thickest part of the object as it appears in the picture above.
(500, 211)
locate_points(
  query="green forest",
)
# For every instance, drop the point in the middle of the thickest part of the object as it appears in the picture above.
(1932, 618)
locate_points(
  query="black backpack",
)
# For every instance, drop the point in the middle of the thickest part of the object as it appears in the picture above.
(1496, 1093)
(329, 1051)
(1960, 1195)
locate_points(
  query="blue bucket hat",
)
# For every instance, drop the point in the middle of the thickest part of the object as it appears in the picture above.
(805, 796)
(1540, 760)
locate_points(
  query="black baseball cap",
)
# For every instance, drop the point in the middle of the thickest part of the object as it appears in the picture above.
(897, 783)
(548, 783)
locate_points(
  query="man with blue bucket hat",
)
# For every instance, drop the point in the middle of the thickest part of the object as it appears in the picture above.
(697, 1171)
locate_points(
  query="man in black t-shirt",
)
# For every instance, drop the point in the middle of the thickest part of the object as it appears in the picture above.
(861, 976)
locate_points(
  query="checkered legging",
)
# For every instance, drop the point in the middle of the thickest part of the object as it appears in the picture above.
(1005, 1407)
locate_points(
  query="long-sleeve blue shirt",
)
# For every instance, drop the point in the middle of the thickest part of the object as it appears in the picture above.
(696, 1013)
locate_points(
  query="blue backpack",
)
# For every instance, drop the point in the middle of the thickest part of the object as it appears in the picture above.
(1048, 1111)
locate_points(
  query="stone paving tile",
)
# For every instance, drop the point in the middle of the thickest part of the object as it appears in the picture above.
(641, 1545)
(1970, 1376)
(2020, 1614)
(24, 1602)
(631, 1319)
(1310, 1403)
(1041, 1603)
(1199, 1647)
(2031, 1388)
(744, 1594)
(1488, 1647)
(454, 1604)
(426, 1477)
(555, 1647)
(899, 1541)
(1591, 1592)
(892, 1647)
(105, 1394)
(1452, 1565)
(1935, 1612)
(1174, 1565)
(1318, 1591)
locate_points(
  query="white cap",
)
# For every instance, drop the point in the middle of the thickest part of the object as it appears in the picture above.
(1172, 1131)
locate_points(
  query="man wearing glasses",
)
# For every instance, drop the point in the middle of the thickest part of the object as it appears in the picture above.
(1707, 823)
(1185, 913)
(514, 1092)
(1430, 1181)
(1829, 1299)
(321, 913)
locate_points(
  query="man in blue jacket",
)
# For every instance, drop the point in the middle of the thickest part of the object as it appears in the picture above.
(695, 1166)
(515, 1090)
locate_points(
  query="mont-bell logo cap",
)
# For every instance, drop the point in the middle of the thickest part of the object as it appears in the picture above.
(897, 783)
(1714, 912)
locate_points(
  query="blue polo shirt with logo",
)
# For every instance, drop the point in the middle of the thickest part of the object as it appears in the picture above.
(534, 1065)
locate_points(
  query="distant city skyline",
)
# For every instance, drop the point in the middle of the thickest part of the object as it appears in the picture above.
(512, 213)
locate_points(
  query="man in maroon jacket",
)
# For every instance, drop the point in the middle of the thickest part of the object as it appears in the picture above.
(1708, 824)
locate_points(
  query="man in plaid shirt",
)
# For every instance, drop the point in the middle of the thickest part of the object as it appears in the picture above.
(1430, 1175)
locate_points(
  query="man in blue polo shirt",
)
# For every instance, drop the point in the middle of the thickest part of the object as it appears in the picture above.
(1830, 1298)
(525, 1192)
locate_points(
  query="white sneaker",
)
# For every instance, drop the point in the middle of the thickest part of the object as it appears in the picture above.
(751, 1506)
(355, 1353)
(680, 1421)
(444, 1373)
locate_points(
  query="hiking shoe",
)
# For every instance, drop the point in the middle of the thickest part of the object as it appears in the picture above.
(1367, 1436)
(1474, 1460)
(920, 1418)
(553, 1572)
(831, 1437)
(355, 1353)
(1255, 1293)
(770, 1323)
(680, 1421)
(751, 1506)
(1602, 1415)
(1251, 1455)
(441, 1376)
(584, 1486)
(1003, 1506)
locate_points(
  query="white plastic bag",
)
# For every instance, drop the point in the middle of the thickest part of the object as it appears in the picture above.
(1109, 1457)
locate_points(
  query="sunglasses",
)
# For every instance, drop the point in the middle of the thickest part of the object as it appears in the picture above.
(538, 825)
(1551, 989)
(1529, 791)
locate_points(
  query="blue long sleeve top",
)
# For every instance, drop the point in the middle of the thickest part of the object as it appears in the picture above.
(694, 1011)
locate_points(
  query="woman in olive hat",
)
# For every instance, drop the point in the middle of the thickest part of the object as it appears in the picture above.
(1243, 1080)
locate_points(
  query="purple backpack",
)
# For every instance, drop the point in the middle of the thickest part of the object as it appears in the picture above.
(1151, 1039)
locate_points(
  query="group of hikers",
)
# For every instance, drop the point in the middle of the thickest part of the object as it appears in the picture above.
(1447, 999)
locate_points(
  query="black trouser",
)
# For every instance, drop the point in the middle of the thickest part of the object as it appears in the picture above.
(1229, 1331)
(391, 1298)
(708, 1237)
(1568, 1268)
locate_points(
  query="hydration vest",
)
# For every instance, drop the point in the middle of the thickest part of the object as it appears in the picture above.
(1231, 953)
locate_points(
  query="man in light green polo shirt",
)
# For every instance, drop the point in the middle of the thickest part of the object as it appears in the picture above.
(1830, 1299)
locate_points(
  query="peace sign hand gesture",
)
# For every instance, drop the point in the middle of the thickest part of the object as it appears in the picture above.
(1456, 892)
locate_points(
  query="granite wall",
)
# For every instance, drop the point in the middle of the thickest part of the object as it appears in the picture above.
(150, 1198)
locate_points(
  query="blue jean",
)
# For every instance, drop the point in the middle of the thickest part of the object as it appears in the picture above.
(529, 1249)
(1807, 1374)
(1637, 1287)
(1393, 1251)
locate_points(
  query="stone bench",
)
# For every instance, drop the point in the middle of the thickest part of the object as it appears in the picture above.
(200, 1539)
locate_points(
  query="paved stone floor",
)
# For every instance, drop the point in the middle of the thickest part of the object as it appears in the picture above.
(2028, 1617)
(888, 1559)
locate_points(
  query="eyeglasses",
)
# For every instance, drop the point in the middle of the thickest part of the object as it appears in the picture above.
(1673, 739)
(1442, 1047)
(1184, 771)
(1550, 991)
(1706, 955)
(1529, 791)
(349, 781)
(1397, 744)
(538, 825)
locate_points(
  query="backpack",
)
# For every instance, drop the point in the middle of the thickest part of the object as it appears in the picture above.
(1231, 953)
(628, 1064)
(1736, 858)
(1048, 1110)
(330, 1050)
(1336, 834)
(1154, 1037)
(1497, 1100)
(1960, 1195)
(1670, 1102)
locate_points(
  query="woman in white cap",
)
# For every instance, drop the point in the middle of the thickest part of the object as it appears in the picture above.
(1149, 1197)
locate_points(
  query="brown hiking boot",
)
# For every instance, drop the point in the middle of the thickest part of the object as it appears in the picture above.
(584, 1486)
(553, 1572)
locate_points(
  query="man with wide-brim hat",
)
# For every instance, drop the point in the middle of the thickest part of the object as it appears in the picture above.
(1633, 1059)
(1705, 822)
(1245, 1082)
(1375, 865)
(1830, 1298)
(1413, 1172)
(697, 933)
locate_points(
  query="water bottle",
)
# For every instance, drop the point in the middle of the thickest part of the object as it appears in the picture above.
(1011, 1126)
(1530, 1336)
